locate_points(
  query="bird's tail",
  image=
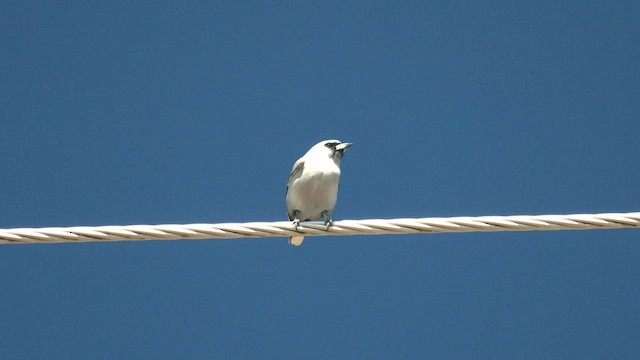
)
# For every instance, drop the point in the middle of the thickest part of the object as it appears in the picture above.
(296, 240)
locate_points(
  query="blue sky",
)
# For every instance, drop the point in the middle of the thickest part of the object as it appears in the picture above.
(150, 112)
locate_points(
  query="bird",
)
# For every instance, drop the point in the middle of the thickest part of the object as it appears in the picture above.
(312, 187)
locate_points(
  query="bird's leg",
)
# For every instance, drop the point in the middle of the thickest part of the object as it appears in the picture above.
(328, 221)
(296, 219)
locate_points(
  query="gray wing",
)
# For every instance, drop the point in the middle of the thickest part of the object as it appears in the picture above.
(296, 172)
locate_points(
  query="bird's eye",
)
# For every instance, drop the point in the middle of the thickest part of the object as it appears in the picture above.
(331, 144)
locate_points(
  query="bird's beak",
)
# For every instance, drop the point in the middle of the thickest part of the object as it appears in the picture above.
(342, 147)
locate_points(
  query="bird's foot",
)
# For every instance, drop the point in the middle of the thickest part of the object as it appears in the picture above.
(328, 221)
(296, 219)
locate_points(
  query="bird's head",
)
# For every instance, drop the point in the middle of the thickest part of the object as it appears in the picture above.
(330, 148)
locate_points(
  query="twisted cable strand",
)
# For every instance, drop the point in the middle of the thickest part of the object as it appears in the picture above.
(316, 228)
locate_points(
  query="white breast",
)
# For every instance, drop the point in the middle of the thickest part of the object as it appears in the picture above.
(315, 191)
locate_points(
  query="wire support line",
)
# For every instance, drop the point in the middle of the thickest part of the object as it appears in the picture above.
(317, 228)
